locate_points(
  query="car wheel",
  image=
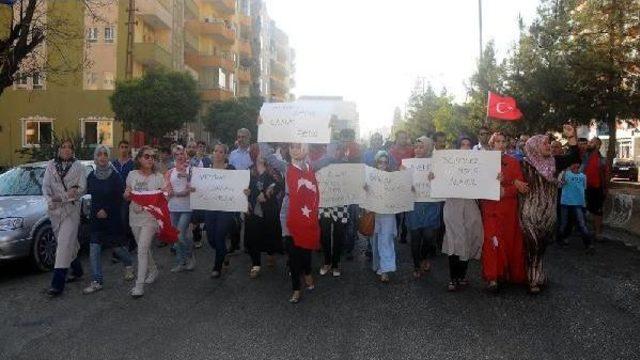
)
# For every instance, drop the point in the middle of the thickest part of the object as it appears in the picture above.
(44, 248)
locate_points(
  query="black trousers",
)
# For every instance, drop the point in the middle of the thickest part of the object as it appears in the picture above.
(401, 221)
(258, 238)
(300, 263)
(234, 234)
(332, 236)
(423, 244)
(457, 268)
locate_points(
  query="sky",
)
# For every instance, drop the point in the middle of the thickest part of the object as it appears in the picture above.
(372, 52)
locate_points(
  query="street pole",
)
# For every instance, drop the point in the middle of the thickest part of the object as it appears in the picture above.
(131, 23)
(480, 26)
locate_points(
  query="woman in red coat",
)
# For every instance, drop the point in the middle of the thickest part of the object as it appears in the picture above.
(503, 249)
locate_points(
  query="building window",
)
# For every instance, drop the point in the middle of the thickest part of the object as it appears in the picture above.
(109, 82)
(22, 81)
(36, 131)
(222, 79)
(38, 81)
(97, 131)
(109, 33)
(232, 84)
(92, 34)
(92, 79)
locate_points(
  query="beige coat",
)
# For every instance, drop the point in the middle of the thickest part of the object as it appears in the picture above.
(64, 211)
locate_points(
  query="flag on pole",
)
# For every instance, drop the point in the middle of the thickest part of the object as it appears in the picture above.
(502, 108)
(8, 2)
(155, 203)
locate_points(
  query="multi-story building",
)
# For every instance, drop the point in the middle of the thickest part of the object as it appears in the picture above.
(217, 41)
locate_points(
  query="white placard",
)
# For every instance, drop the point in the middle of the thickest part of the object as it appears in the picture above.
(341, 184)
(221, 190)
(466, 174)
(295, 122)
(420, 169)
(388, 192)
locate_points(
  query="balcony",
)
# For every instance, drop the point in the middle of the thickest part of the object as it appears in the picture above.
(199, 60)
(191, 42)
(244, 75)
(278, 69)
(152, 54)
(214, 28)
(154, 13)
(244, 47)
(191, 10)
(278, 86)
(216, 95)
(224, 6)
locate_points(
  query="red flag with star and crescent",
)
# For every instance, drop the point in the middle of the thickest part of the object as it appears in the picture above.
(155, 203)
(302, 215)
(502, 108)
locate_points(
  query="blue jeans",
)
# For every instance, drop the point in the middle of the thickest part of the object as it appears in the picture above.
(95, 254)
(184, 248)
(578, 213)
(218, 224)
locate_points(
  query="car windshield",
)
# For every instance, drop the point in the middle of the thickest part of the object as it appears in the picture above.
(22, 180)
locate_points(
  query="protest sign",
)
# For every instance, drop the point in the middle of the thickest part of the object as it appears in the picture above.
(295, 122)
(466, 174)
(221, 190)
(341, 184)
(420, 169)
(388, 192)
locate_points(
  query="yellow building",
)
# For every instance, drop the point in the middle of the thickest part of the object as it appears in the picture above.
(214, 40)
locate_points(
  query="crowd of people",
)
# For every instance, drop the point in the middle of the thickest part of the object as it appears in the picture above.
(546, 187)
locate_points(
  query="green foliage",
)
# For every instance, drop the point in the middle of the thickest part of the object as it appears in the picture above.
(47, 151)
(157, 103)
(224, 118)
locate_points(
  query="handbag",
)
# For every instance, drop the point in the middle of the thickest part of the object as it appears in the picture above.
(367, 223)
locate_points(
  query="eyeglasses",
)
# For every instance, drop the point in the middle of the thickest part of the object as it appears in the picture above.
(149, 156)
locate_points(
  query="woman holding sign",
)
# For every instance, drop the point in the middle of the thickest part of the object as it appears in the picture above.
(218, 223)
(538, 205)
(463, 235)
(503, 250)
(424, 221)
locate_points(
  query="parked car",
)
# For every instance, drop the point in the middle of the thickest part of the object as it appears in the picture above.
(625, 168)
(25, 229)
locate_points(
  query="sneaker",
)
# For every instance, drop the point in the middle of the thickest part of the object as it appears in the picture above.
(191, 264)
(215, 274)
(178, 268)
(128, 273)
(137, 291)
(152, 275)
(197, 244)
(93, 287)
(255, 271)
(325, 269)
(336, 273)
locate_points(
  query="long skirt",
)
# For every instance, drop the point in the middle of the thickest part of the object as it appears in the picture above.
(463, 235)
(382, 244)
(65, 222)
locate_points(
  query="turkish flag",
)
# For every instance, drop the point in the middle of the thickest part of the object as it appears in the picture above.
(155, 203)
(302, 214)
(502, 108)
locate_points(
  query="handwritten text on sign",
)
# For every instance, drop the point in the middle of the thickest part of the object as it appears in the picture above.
(341, 184)
(295, 123)
(420, 169)
(388, 192)
(466, 174)
(221, 190)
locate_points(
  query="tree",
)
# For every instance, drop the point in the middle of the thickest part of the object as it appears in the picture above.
(224, 118)
(157, 103)
(32, 24)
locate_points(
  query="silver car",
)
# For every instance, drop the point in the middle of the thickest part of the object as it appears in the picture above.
(25, 230)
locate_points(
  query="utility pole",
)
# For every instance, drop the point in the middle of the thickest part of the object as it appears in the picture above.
(480, 26)
(131, 23)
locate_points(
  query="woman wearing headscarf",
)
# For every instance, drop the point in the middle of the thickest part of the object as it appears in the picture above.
(143, 225)
(64, 183)
(503, 250)
(105, 186)
(538, 206)
(383, 259)
(463, 233)
(424, 221)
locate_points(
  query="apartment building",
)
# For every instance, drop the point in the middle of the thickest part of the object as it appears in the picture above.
(216, 41)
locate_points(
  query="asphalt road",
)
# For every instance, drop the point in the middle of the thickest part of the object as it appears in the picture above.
(591, 310)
